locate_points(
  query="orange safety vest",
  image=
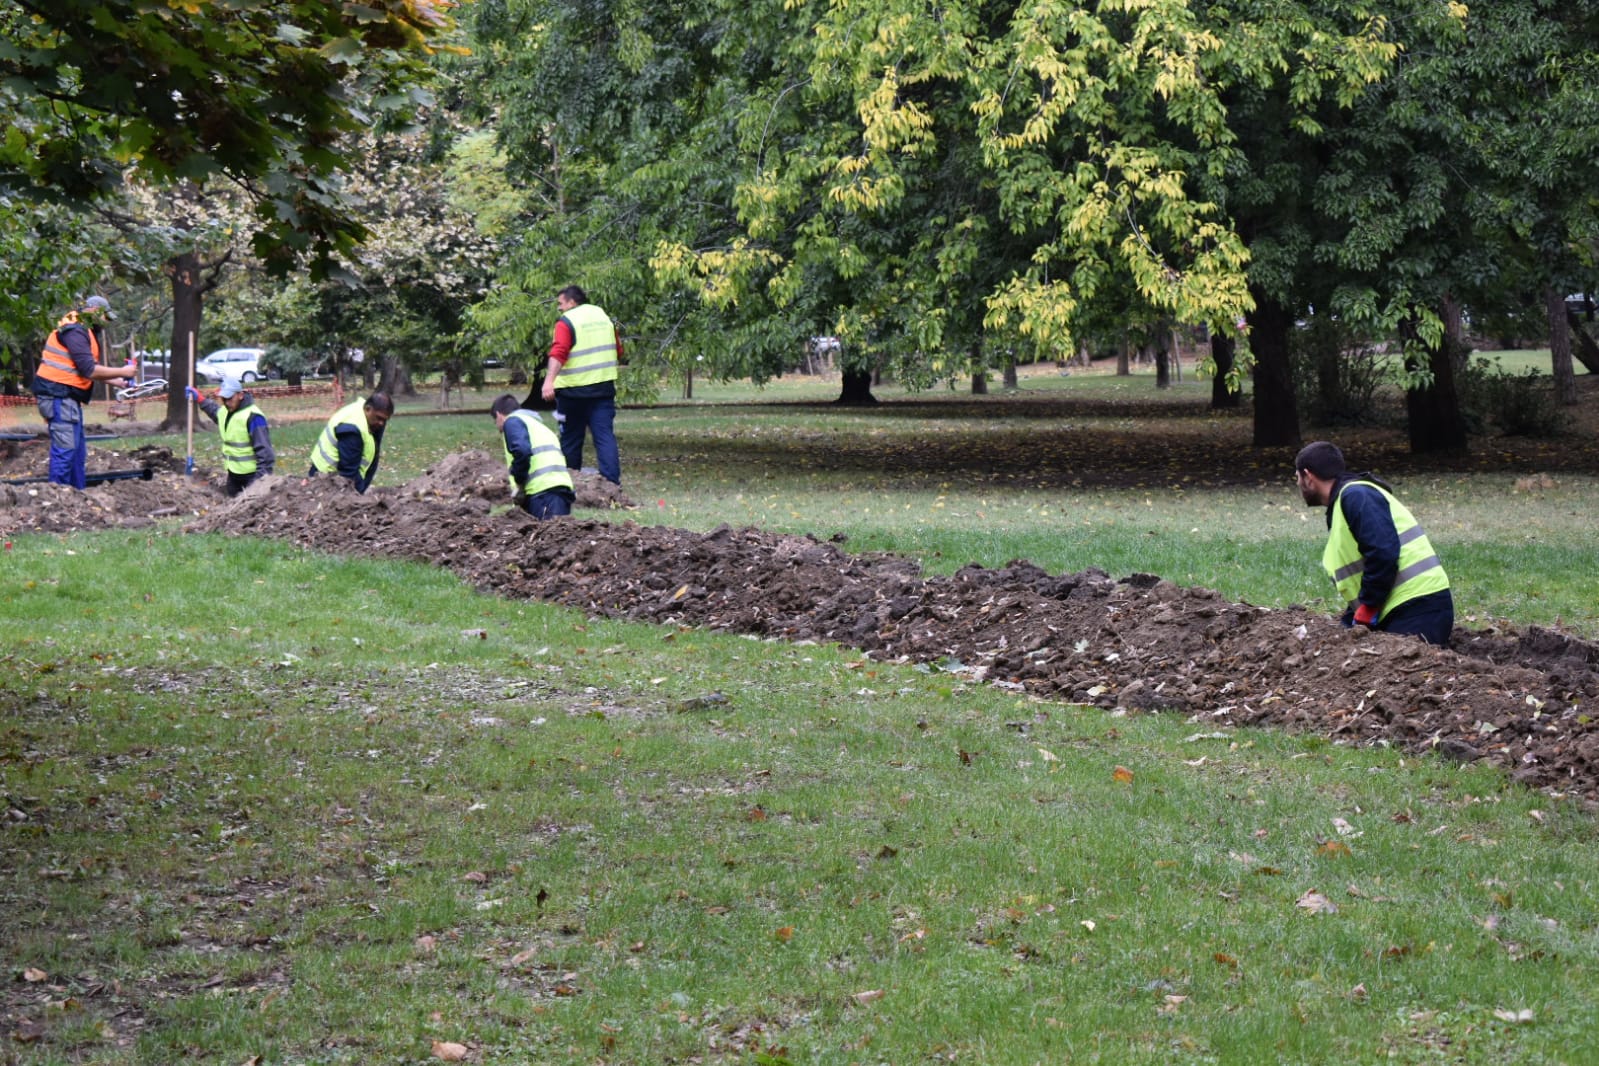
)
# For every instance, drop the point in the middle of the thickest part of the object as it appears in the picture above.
(55, 362)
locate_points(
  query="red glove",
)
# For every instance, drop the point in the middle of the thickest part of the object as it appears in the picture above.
(1365, 615)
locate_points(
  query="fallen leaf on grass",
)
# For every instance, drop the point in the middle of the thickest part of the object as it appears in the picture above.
(1515, 1017)
(785, 934)
(1122, 774)
(33, 975)
(1334, 849)
(426, 943)
(449, 1051)
(871, 995)
(1316, 903)
(1224, 959)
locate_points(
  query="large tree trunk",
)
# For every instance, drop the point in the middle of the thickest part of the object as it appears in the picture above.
(1436, 424)
(857, 388)
(188, 295)
(1276, 408)
(1583, 348)
(1223, 351)
(1124, 365)
(396, 379)
(1560, 346)
(1162, 366)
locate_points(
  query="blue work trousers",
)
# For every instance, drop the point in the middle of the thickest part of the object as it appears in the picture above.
(69, 448)
(596, 416)
(1430, 617)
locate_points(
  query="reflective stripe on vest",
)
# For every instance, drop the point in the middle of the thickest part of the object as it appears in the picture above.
(548, 468)
(593, 356)
(55, 362)
(238, 453)
(325, 456)
(1420, 571)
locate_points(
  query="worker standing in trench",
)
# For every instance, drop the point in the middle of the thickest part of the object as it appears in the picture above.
(246, 439)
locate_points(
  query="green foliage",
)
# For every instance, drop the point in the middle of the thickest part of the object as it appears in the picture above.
(1515, 404)
(51, 260)
(1341, 380)
(257, 94)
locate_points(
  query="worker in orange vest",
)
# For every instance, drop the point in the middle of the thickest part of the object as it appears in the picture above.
(72, 361)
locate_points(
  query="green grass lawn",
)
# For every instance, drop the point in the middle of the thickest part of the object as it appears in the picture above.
(266, 805)
(272, 806)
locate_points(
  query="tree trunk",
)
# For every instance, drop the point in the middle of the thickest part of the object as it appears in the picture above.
(1454, 319)
(688, 383)
(1583, 348)
(396, 379)
(1276, 408)
(1223, 351)
(1162, 368)
(1436, 424)
(1011, 380)
(857, 388)
(1560, 347)
(1124, 365)
(188, 295)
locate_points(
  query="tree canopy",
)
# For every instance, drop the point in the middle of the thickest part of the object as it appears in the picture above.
(262, 94)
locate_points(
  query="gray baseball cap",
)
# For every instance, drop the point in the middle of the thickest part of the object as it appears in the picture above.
(101, 304)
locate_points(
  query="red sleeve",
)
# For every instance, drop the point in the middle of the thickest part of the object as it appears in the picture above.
(561, 347)
(619, 352)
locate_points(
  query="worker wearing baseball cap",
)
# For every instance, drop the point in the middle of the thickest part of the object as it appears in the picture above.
(71, 362)
(1377, 554)
(246, 441)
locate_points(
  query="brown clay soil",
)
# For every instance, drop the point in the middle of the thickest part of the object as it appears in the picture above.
(1519, 698)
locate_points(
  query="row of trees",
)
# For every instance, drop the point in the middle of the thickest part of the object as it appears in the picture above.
(942, 185)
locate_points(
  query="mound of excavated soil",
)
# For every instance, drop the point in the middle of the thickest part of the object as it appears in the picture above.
(1519, 699)
(39, 507)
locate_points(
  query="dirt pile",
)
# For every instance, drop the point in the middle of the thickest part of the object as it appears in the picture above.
(35, 506)
(129, 502)
(1520, 699)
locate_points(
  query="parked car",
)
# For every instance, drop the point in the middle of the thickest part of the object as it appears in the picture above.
(242, 364)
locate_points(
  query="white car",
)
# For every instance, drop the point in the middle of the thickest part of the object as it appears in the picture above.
(241, 364)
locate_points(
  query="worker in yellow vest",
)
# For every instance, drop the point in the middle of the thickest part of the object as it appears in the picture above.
(246, 441)
(581, 381)
(352, 441)
(1377, 554)
(540, 482)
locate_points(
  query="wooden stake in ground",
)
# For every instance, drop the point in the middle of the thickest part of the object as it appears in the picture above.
(188, 462)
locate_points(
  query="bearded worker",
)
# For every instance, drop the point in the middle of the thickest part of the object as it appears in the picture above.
(1377, 554)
